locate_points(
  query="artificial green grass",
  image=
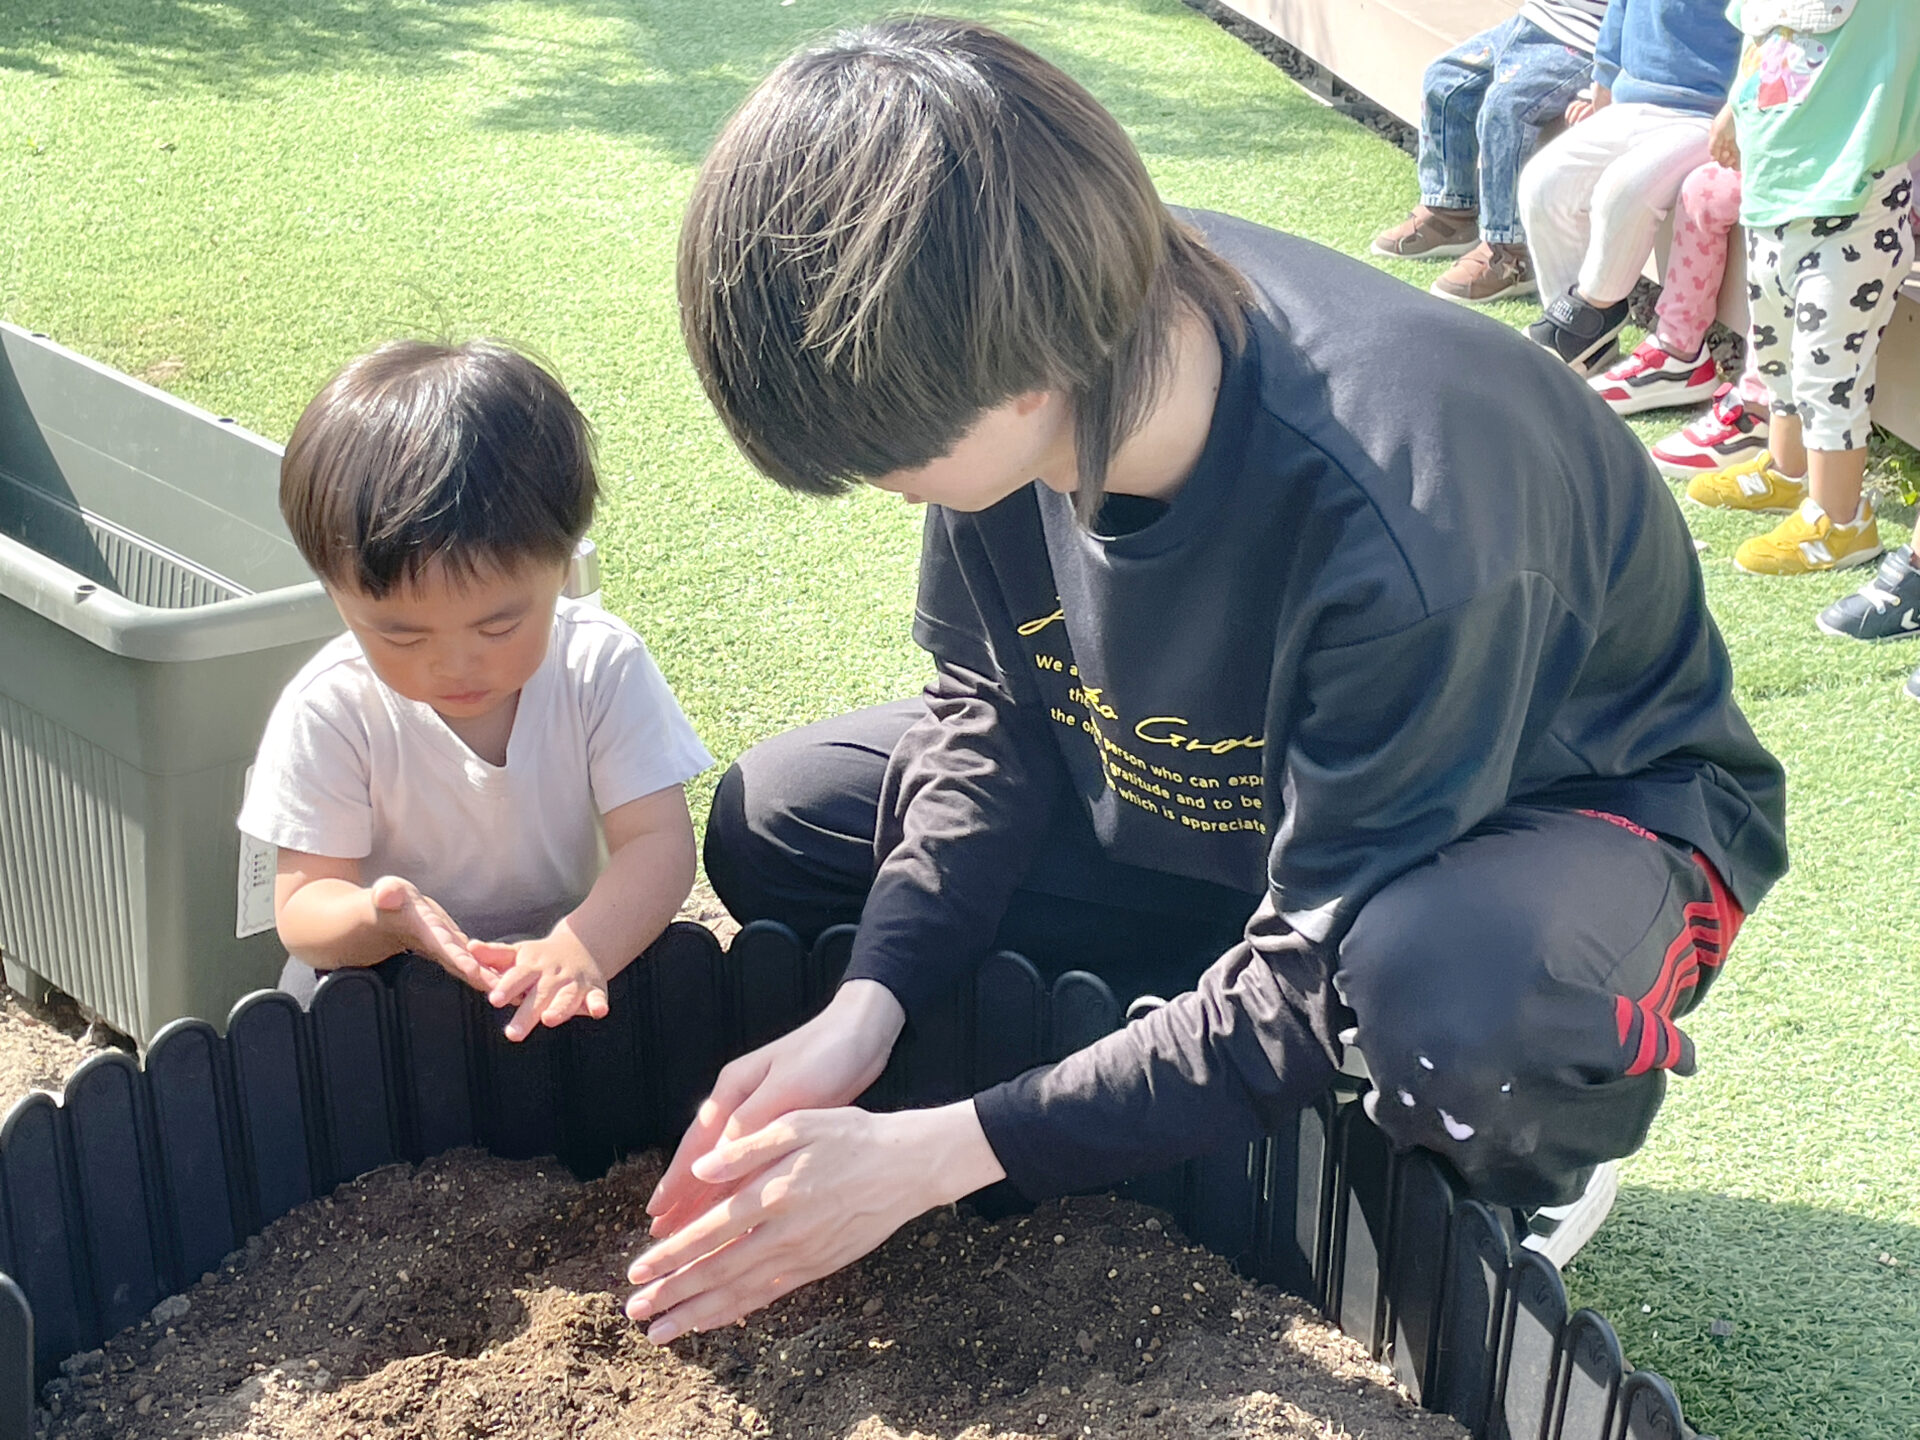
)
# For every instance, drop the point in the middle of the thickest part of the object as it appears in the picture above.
(231, 198)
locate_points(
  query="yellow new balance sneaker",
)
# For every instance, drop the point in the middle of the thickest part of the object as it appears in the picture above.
(1753, 484)
(1808, 541)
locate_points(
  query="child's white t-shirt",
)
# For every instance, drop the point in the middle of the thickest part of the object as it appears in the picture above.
(349, 769)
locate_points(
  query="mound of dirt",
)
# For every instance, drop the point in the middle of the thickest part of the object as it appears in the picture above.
(473, 1297)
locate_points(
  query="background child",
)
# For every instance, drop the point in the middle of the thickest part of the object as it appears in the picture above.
(469, 755)
(1485, 104)
(1824, 115)
(1592, 200)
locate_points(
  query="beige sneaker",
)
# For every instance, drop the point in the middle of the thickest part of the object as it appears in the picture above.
(1428, 235)
(1486, 273)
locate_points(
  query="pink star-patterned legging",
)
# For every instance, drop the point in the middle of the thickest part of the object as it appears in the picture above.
(1704, 219)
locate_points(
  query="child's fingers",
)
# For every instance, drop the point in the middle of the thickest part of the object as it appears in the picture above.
(597, 1003)
(527, 1017)
(514, 983)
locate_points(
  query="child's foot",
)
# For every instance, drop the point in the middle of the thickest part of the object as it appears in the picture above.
(1486, 273)
(1429, 235)
(1729, 432)
(1808, 542)
(1753, 484)
(1887, 607)
(1580, 332)
(1652, 379)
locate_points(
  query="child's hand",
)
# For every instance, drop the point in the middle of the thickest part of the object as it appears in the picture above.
(417, 923)
(1723, 141)
(1583, 106)
(552, 980)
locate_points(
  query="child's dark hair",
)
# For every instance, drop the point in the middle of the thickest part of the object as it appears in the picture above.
(912, 224)
(469, 457)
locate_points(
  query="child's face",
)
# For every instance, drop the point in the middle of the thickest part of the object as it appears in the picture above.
(464, 647)
(1029, 437)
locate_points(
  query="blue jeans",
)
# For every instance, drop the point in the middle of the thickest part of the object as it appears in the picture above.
(1486, 102)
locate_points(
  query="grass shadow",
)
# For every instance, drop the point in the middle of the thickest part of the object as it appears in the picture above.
(1824, 1308)
(690, 65)
(232, 46)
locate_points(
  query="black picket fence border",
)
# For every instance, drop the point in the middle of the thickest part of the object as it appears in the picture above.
(139, 1179)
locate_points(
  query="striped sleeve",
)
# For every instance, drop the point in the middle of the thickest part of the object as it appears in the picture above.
(1574, 22)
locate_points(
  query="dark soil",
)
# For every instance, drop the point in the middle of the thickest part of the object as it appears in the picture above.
(476, 1297)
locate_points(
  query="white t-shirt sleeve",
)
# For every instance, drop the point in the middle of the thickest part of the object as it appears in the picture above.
(310, 789)
(638, 739)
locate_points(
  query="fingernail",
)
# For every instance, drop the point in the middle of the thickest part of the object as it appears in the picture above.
(663, 1333)
(637, 1309)
(640, 1272)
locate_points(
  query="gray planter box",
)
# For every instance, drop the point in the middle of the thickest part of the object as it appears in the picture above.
(152, 606)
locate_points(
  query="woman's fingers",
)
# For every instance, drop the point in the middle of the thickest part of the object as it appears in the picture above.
(716, 1226)
(733, 1160)
(758, 1287)
(677, 1188)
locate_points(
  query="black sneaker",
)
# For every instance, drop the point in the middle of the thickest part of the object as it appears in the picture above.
(1887, 607)
(1581, 334)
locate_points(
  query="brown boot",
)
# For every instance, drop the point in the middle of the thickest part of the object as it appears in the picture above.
(1486, 273)
(1429, 235)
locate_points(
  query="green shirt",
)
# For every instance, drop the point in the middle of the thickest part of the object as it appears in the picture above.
(1819, 111)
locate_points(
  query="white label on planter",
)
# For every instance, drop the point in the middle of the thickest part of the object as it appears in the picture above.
(258, 863)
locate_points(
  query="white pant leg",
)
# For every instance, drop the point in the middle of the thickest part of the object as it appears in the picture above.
(1635, 193)
(1556, 194)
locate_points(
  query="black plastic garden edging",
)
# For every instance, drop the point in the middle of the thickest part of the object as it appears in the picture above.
(141, 1178)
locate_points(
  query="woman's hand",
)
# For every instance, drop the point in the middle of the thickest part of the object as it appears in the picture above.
(1723, 141)
(827, 1062)
(805, 1195)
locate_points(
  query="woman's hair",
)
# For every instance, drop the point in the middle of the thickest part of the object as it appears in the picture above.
(469, 457)
(912, 223)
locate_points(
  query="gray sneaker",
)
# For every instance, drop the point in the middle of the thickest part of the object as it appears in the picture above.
(1428, 235)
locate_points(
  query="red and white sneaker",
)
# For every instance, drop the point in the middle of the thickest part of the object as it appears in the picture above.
(1730, 431)
(1651, 379)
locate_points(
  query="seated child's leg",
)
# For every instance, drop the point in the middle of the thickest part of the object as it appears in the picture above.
(1454, 88)
(1703, 222)
(1442, 225)
(1556, 194)
(1633, 196)
(1538, 76)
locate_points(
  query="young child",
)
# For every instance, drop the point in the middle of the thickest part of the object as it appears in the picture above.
(1821, 121)
(1592, 200)
(1671, 366)
(475, 757)
(1485, 104)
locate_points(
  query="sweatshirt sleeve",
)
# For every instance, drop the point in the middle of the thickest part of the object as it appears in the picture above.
(969, 790)
(1227, 1061)
(1606, 52)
